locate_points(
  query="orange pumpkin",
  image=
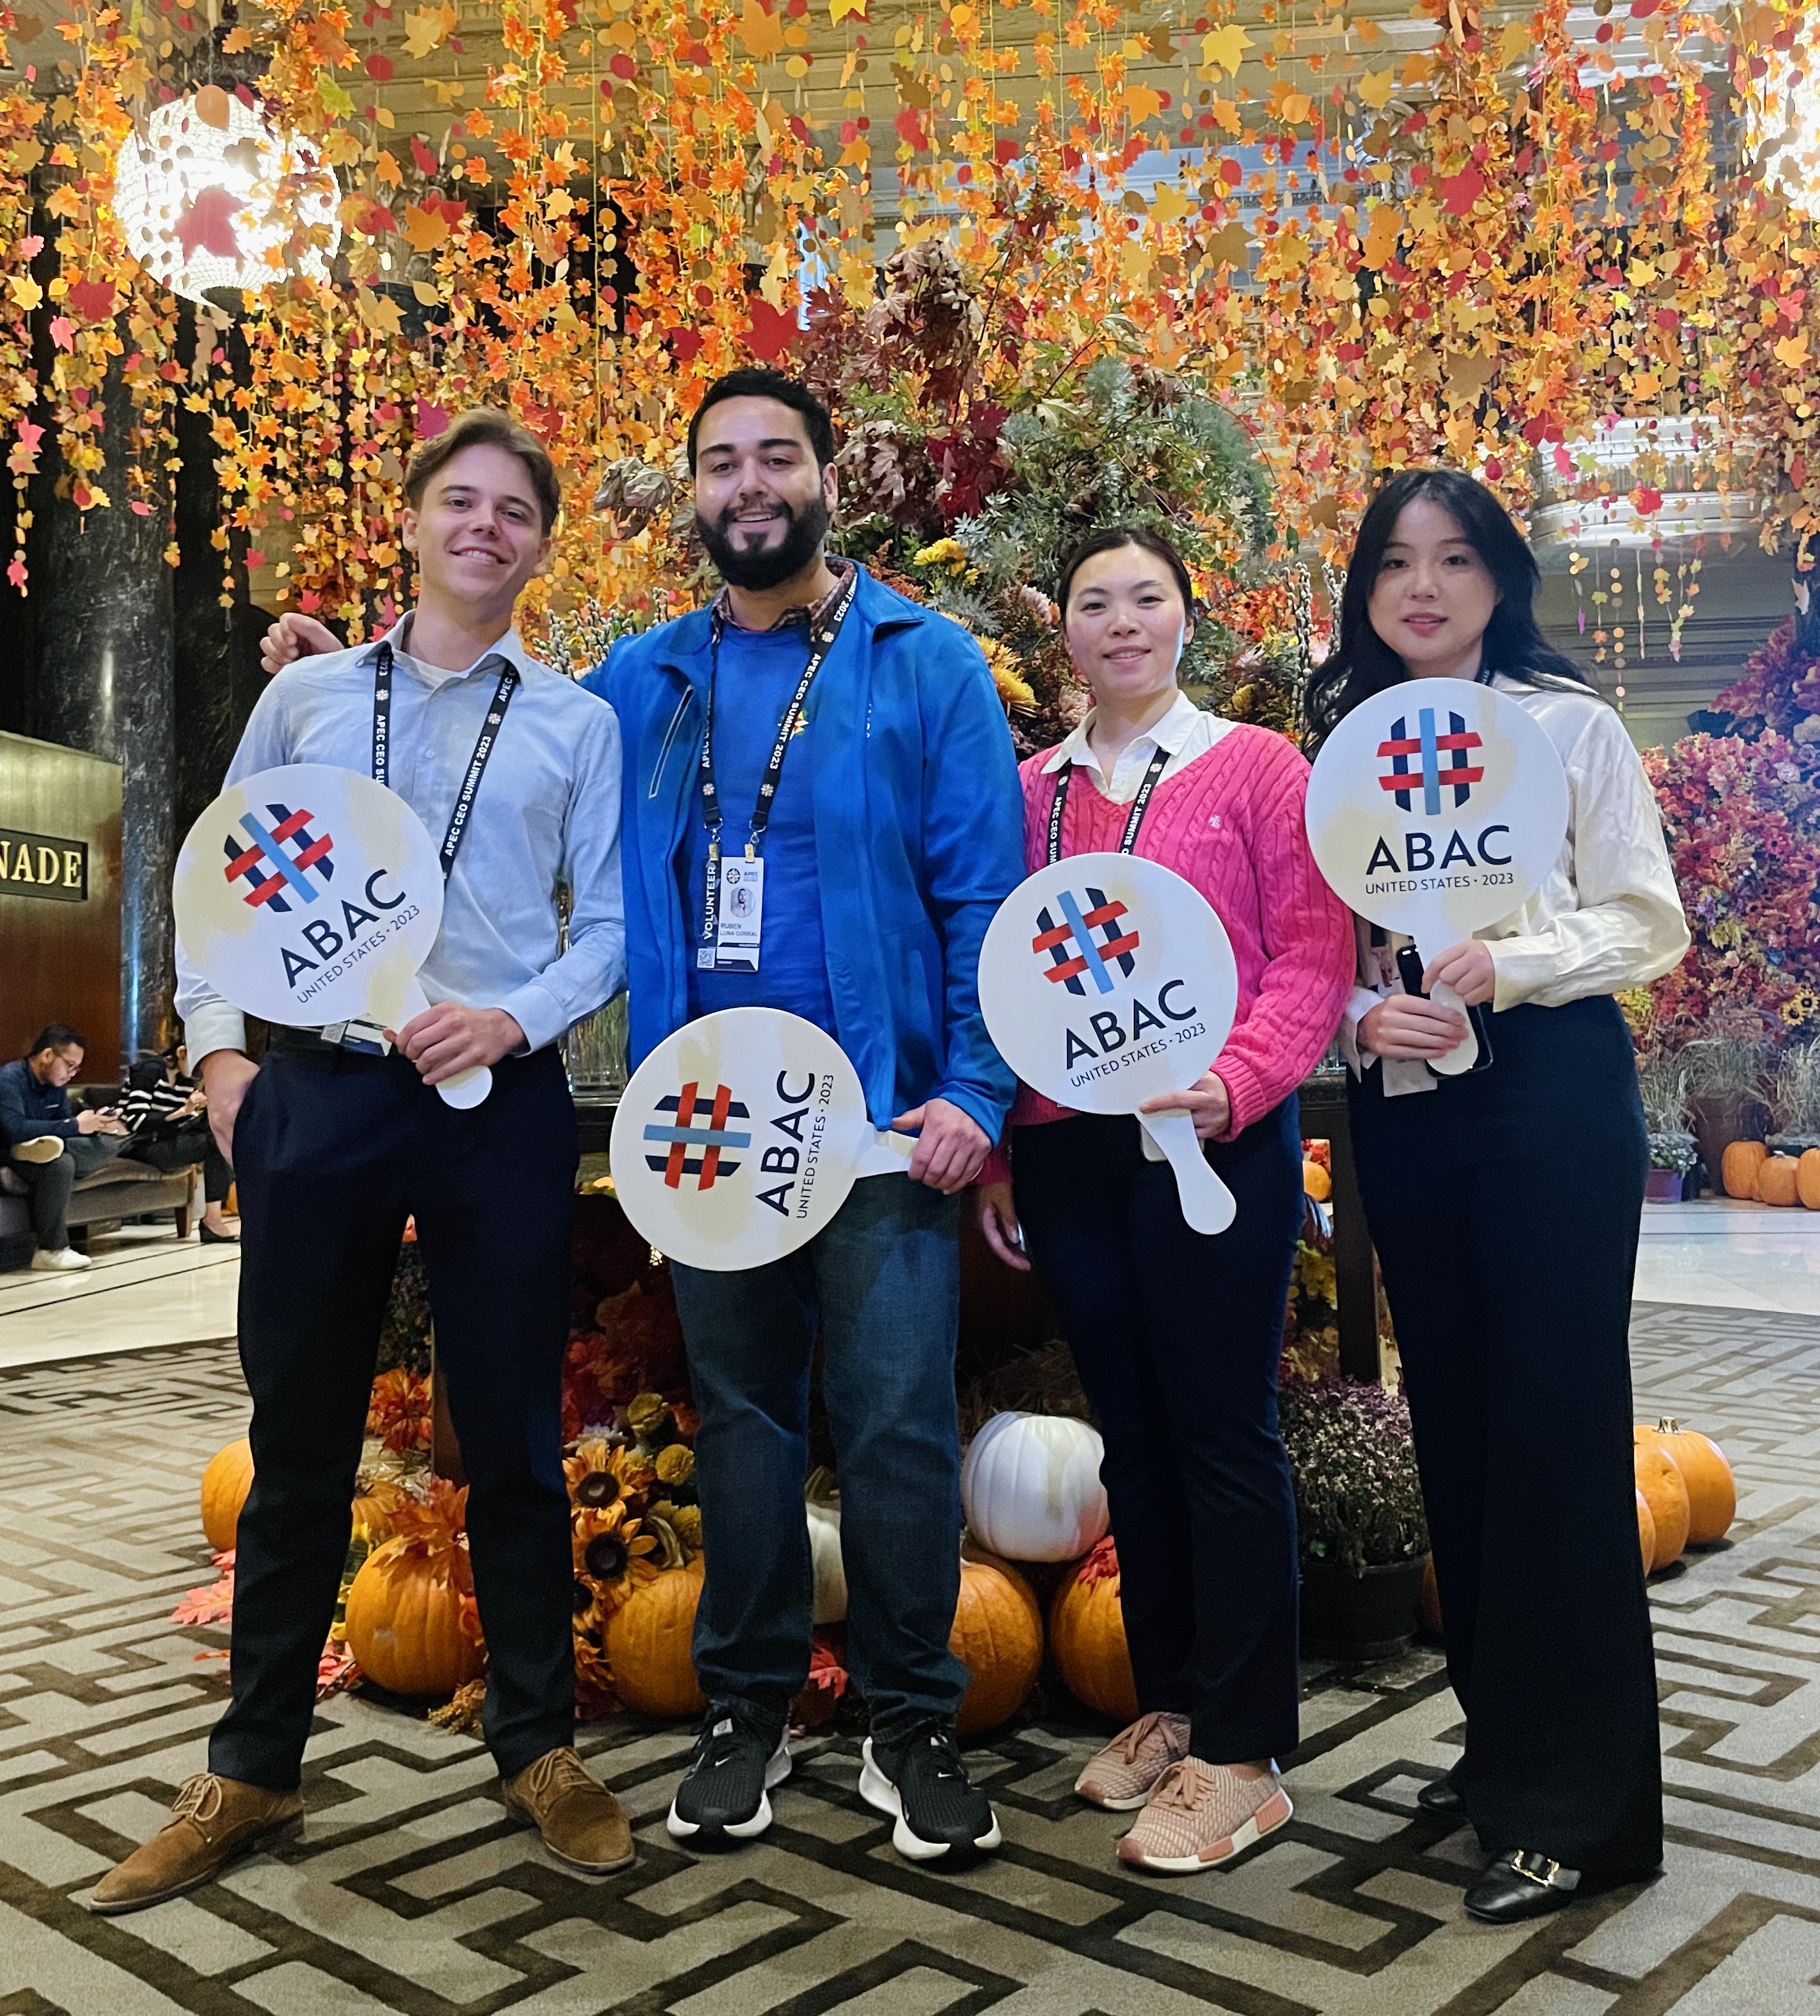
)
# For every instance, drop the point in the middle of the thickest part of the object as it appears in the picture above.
(647, 1640)
(404, 1619)
(998, 1635)
(1776, 1177)
(1738, 1168)
(1431, 1599)
(1665, 1490)
(1316, 1182)
(1087, 1634)
(1712, 1491)
(1646, 1532)
(1807, 1179)
(374, 1510)
(224, 1486)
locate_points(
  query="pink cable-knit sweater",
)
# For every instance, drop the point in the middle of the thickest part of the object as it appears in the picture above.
(1231, 824)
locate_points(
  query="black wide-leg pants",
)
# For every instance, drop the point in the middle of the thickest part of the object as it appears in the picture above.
(1177, 1336)
(332, 1151)
(1505, 1206)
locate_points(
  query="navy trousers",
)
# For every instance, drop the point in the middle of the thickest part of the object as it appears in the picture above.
(332, 1151)
(1177, 1336)
(1505, 1206)
(881, 1283)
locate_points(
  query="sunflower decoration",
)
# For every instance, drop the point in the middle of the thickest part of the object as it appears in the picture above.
(588, 1471)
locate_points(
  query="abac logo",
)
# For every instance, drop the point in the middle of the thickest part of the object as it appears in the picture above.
(696, 1150)
(1077, 928)
(1434, 775)
(273, 877)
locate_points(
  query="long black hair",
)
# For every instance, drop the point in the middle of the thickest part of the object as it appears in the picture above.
(1361, 663)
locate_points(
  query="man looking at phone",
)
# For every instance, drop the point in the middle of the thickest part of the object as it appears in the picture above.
(50, 1145)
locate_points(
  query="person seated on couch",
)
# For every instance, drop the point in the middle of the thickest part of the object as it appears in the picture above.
(167, 1114)
(49, 1144)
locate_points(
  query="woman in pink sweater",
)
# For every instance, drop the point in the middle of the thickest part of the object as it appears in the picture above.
(1177, 1333)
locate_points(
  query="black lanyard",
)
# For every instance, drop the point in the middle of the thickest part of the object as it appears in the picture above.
(457, 821)
(820, 645)
(1134, 819)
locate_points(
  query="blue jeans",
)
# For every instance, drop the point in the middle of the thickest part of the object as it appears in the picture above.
(883, 1282)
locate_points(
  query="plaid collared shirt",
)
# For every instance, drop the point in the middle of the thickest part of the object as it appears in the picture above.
(804, 616)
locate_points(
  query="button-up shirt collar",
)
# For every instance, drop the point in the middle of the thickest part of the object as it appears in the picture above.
(804, 617)
(1185, 731)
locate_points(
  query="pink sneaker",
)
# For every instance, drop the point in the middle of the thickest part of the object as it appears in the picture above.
(1120, 1776)
(1201, 1815)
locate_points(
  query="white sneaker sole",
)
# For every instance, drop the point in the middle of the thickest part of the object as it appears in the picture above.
(878, 1791)
(775, 1772)
(1248, 1836)
(40, 1149)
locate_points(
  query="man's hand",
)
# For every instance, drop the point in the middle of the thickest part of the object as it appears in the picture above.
(1467, 968)
(225, 1076)
(100, 1120)
(294, 636)
(1405, 1026)
(998, 1224)
(448, 1038)
(1206, 1099)
(950, 1147)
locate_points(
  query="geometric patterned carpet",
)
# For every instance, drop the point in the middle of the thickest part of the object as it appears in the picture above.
(412, 1892)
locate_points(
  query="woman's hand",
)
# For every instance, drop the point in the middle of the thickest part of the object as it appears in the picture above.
(1206, 1099)
(998, 1224)
(1405, 1026)
(1467, 968)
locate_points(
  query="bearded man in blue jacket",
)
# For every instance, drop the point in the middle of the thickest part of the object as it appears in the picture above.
(894, 830)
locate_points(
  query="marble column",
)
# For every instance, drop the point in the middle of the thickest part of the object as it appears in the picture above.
(105, 685)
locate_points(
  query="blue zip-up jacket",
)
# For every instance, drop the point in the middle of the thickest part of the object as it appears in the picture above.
(28, 1109)
(918, 838)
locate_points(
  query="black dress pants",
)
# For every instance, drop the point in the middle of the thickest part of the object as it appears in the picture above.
(1505, 1206)
(332, 1151)
(1177, 1336)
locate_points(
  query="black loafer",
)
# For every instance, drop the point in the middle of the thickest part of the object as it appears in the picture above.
(1521, 1885)
(1440, 1795)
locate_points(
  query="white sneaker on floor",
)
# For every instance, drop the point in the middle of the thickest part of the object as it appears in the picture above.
(66, 1260)
(41, 1148)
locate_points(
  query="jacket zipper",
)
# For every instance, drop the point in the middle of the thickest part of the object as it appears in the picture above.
(669, 736)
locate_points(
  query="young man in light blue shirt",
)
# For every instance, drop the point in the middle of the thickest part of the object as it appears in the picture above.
(340, 1135)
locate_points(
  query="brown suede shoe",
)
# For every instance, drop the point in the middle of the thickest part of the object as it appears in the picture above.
(213, 1820)
(580, 1820)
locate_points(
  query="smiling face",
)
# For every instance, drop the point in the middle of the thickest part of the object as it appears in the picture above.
(478, 533)
(1125, 627)
(1433, 595)
(762, 505)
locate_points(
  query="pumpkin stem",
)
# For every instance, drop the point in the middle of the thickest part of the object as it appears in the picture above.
(1668, 1425)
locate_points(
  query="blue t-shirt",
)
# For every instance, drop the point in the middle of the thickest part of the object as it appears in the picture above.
(758, 672)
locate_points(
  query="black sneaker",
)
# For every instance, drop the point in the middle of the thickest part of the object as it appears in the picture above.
(921, 1781)
(725, 1791)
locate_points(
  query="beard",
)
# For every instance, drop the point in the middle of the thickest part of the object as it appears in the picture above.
(764, 567)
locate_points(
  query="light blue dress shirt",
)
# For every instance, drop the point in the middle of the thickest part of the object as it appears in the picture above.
(547, 811)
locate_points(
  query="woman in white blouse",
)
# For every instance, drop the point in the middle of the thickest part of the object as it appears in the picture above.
(1505, 1206)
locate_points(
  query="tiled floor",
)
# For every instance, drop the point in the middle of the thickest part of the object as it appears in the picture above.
(146, 1286)
(1720, 1254)
(412, 1892)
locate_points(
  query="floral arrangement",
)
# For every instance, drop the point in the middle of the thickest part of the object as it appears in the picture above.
(1358, 1499)
(1743, 821)
(634, 1514)
(400, 1413)
(1311, 1320)
(1778, 693)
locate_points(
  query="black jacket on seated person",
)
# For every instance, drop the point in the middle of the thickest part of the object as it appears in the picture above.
(28, 1109)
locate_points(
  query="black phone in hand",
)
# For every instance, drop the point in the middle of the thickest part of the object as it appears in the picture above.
(1409, 971)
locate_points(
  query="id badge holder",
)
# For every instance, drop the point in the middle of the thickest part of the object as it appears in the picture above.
(741, 917)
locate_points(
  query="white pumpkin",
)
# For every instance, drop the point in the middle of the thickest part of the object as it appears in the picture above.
(824, 1515)
(1031, 1488)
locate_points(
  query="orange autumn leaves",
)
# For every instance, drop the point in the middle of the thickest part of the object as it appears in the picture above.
(1487, 248)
